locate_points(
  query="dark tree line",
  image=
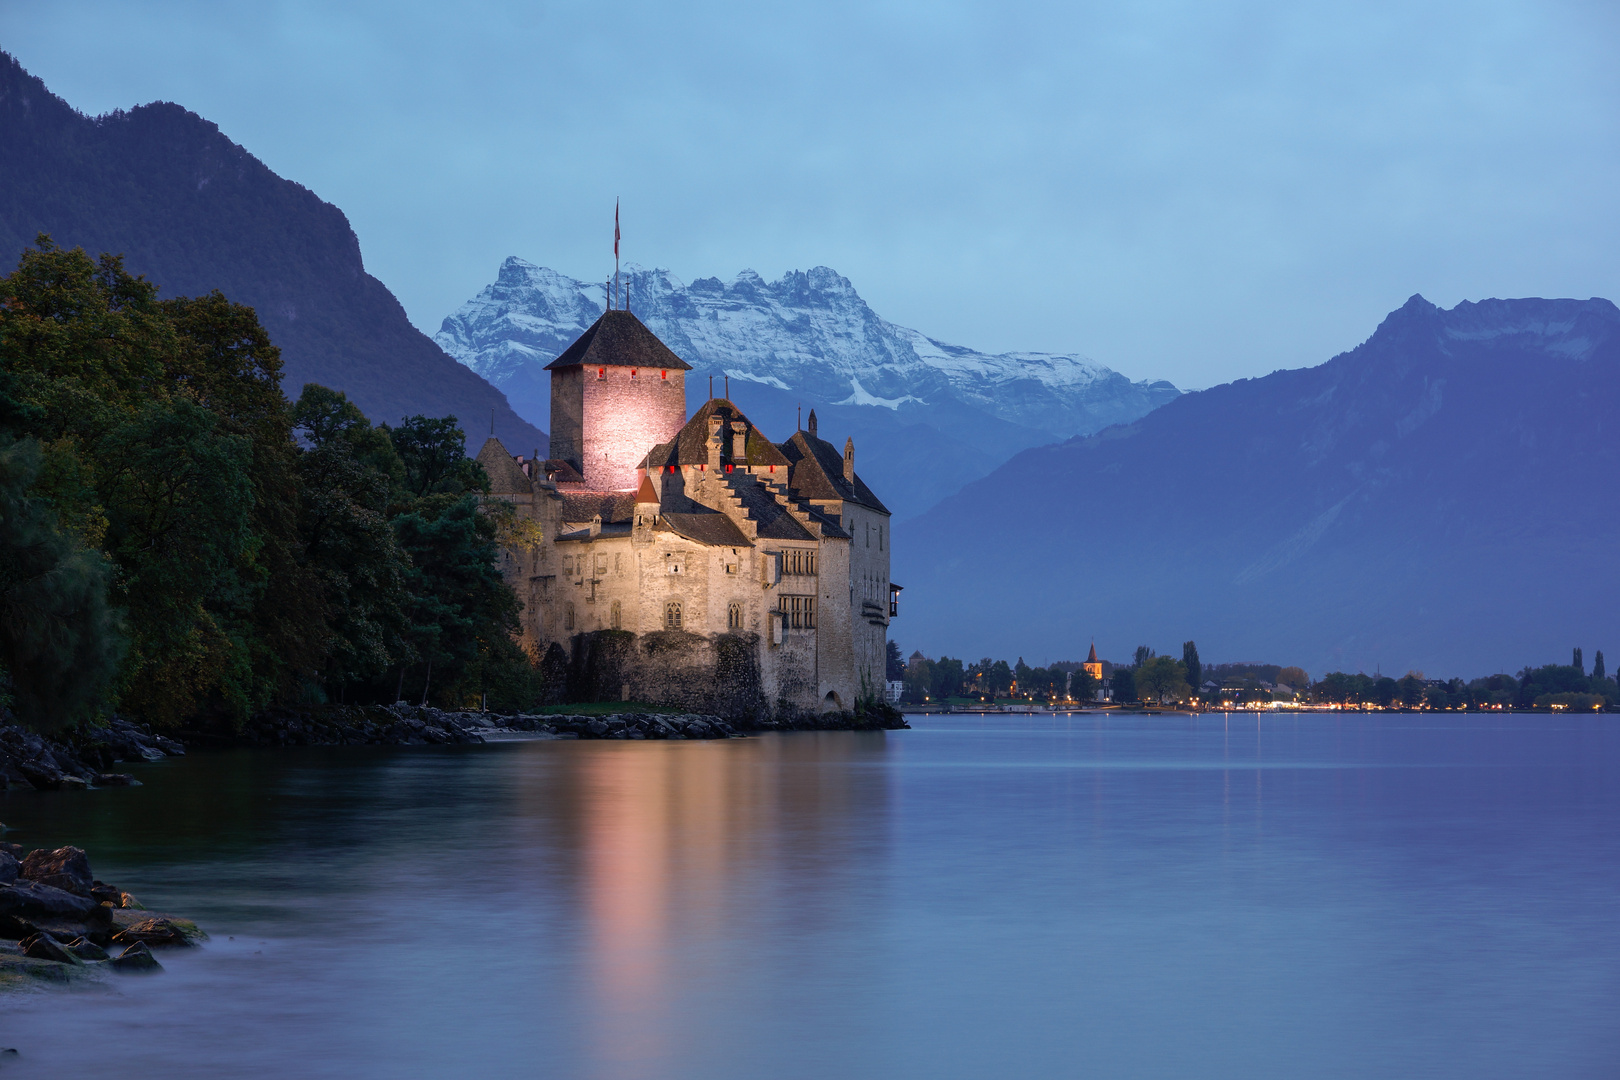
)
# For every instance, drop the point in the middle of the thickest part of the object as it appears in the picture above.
(181, 543)
(1154, 679)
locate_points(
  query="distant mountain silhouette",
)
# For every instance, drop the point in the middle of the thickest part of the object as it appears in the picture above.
(1442, 497)
(192, 211)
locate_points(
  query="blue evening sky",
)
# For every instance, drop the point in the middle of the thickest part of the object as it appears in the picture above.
(1193, 190)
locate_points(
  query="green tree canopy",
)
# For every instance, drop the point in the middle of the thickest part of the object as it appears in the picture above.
(1162, 679)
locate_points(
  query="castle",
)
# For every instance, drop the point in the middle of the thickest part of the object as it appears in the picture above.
(694, 561)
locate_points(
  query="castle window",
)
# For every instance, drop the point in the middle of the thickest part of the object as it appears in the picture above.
(632, 373)
(568, 617)
(880, 538)
(615, 617)
(601, 373)
(798, 612)
(672, 615)
(663, 374)
(601, 565)
(734, 618)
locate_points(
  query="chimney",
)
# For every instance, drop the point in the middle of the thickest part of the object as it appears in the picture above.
(714, 441)
(739, 442)
(596, 525)
(849, 460)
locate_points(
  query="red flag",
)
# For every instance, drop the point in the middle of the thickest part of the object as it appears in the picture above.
(615, 228)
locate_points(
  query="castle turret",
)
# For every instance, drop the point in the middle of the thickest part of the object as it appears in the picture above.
(615, 394)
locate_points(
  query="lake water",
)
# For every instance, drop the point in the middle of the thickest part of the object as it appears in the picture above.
(1306, 896)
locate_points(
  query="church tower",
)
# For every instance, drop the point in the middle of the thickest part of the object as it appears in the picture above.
(615, 394)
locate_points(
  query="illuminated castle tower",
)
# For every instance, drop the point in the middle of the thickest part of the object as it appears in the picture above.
(615, 394)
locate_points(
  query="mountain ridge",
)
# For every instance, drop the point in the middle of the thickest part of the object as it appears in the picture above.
(1430, 498)
(808, 339)
(192, 211)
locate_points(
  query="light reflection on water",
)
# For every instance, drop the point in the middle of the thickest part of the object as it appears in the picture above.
(1227, 895)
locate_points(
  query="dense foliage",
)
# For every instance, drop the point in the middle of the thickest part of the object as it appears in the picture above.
(180, 542)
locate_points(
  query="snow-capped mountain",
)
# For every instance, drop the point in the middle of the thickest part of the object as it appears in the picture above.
(808, 339)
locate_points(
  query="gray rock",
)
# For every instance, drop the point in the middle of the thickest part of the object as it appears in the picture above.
(85, 949)
(597, 728)
(137, 958)
(8, 868)
(42, 946)
(66, 868)
(31, 899)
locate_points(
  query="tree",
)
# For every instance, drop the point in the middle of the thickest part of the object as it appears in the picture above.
(1384, 691)
(1124, 684)
(1082, 686)
(1598, 670)
(60, 642)
(1022, 673)
(1411, 689)
(1001, 678)
(945, 679)
(1294, 678)
(1161, 679)
(459, 605)
(433, 454)
(1143, 655)
(1577, 663)
(894, 668)
(1194, 669)
(919, 680)
(351, 550)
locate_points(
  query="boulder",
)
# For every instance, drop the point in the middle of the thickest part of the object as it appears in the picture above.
(138, 957)
(85, 949)
(32, 899)
(156, 930)
(597, 728)
(42, 946)
(66, 868)
(116, 779)
(102, 893)
(8, 868)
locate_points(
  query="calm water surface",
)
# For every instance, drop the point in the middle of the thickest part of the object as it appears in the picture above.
(1225, 896)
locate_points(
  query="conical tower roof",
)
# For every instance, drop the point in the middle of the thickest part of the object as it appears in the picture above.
(619, 339)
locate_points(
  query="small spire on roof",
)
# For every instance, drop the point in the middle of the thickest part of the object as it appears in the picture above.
(812, 428)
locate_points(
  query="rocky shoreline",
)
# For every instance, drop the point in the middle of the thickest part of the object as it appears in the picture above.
(87, 758)
(410, 725)
(58, 922)
(81, 759)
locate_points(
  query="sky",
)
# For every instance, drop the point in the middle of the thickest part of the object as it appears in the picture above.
(1195, 191)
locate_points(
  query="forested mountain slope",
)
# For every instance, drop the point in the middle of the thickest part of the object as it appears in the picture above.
(192, 212)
